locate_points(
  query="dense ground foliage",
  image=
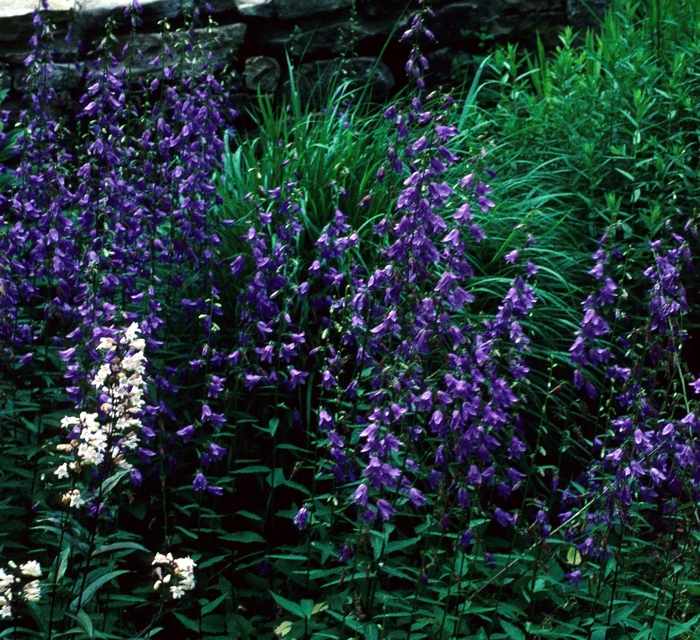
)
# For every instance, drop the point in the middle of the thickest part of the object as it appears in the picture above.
(424, 371)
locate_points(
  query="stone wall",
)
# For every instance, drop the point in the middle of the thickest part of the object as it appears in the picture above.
(254, 37)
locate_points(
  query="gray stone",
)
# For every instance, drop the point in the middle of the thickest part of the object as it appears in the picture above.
(60, 76)
(461, 21)
(316, 79)
(222, 6)
(395, 7)
(16, 54)
(448, 68)
(16, 17)
(579, 14)
(291, 9)
(326, 35)
(525, 6)
(226, 41)
(256, 8)
(261, 73)
(95, 13)
(525, 28)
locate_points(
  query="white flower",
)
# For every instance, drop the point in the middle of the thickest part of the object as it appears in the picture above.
(5, 610)
(122, 464)
(107, 344)
(161, 559)
(69, 421)
(134, 363)
(182, 568)
(73, 498)
(32, 591)
(101, 376)
(177, 591)
(139, 344)
(31, 568)
(62, 471)
(132, 332)
(184, 565)
(90, 455)
(6, 580)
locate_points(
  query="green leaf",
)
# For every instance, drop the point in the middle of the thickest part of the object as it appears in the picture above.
(254, 468)
(110, 483)
(212, 561)
(272, 427)
(276, 478)
(85, 623)
(243, 536)
(92, 588)
(208, 608)
(599, 632)
(398, 545)
(622, 614)
(371, 631)
(187, 532)
(288, 605)
(512, 631)
(118, 546)
(307, 606)
(249, 515)
(573, 556)
(192, 625)
(62, 564)
(627, 175)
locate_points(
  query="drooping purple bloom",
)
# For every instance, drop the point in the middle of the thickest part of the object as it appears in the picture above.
(361, 495)
(417, 497)
(301, 518)
(386, 510)
(504, 518)
(200, 482)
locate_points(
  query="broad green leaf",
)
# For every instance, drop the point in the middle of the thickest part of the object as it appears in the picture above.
(119, 546)
(255, 468)
(242, 536)
(63, 563)
(92, 588)
(208, 608)
(398, 545)
(192, 625)
(371, 631)
(307, 606)
(85, 622)
(512, 631)
(288, 605)
(573, 556)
